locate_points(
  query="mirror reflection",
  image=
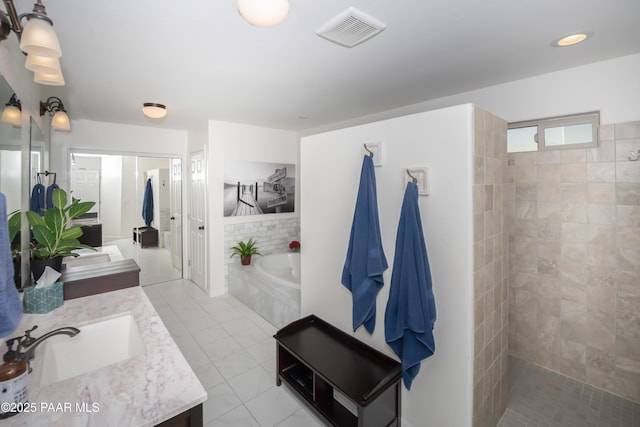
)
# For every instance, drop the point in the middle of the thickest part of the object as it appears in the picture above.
(10, 155)
(123, 187)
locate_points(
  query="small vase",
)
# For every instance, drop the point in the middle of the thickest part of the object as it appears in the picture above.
(246, 260)
(295, 249)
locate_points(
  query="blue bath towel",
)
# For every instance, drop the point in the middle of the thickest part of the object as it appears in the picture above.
(36, 204)
(10, 305)
(365, 263)
(147, 204)
(411, 308)
(50, 195)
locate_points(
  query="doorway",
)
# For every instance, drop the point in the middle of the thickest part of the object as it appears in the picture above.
(121, 186)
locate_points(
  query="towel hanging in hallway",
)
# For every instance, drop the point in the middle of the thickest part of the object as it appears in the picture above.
(10, 303)
(36, 203)
(147, 204)
(411, 308)
(50, 194)
(365, 262)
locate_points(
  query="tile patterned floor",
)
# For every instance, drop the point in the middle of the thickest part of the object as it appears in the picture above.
(541, 398)
(232, 350)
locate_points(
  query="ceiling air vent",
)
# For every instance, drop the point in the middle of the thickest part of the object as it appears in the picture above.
(351, 28)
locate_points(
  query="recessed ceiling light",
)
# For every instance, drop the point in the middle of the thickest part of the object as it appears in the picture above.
(571, 39)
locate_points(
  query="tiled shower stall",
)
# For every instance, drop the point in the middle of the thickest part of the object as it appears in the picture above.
(574, 260)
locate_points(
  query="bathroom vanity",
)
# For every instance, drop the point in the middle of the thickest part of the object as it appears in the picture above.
(125, 370)
(343, 380)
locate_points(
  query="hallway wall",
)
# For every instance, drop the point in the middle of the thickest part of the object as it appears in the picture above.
(574, 242)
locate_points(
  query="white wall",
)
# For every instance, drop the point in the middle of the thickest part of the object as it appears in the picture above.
(611, 87)
(239, 142)
(330, 165)
(111, 195)
(114, 139)
(10, 178)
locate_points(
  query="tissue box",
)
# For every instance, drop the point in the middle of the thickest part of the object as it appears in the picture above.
(43, 300)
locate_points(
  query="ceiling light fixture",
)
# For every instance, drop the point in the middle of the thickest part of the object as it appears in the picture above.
(55, 108)
(154, 110)
(37, 39)
(571, 40)
(12, 112)
(263, 13)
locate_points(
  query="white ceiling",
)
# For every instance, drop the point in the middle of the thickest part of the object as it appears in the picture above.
(203, 61)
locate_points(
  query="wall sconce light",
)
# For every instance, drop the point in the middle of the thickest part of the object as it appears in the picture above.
(37, 39)
(154, 110)
(55, 108)
(12, 113)
(263, 13)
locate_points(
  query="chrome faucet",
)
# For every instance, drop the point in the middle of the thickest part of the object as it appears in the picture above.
(29, 344)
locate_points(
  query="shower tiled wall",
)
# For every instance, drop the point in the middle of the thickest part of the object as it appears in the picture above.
(574, 238)
(271, 236)
(490, 380)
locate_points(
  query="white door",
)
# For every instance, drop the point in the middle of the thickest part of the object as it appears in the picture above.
(197, 215)
(85, 185)
(175, 223)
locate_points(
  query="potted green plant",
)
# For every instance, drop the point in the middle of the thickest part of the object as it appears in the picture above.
(55, 236)
(15, 224)
(245, 251)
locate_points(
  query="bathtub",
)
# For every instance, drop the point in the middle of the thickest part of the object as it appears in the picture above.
(270, 286)
(283, 268)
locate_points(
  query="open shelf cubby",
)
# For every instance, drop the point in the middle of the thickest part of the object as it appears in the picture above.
(346, 382)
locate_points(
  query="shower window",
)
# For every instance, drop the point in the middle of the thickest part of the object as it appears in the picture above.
(556, 133)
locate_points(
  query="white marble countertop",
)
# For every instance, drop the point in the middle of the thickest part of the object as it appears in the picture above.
(143, 390)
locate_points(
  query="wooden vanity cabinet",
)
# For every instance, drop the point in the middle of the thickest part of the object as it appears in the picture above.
(346, 382)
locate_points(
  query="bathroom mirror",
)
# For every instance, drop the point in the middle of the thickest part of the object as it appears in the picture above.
(10, 155)
(117, 183)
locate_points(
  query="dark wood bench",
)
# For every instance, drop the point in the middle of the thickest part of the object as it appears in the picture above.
(343, 380)
(94, 279)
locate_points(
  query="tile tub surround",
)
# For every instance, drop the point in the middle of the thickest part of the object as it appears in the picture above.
(574, 237)
(271, 235)
(278, 304)
(141, 391)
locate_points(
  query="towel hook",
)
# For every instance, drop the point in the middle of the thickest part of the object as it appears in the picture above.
(413, 178)
(369, 151)
(634, 155)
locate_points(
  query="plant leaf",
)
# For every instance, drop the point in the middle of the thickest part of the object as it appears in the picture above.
(43, 236)
(79, 208)
(59, 198)
(55, 220)
(71, 233)
(34, 218)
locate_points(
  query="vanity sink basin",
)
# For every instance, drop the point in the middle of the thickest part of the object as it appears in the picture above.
(97, 345)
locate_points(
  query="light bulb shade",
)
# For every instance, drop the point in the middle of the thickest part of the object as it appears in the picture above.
(38, 38)
(263, 13)
(60, 121)
(49, 79)
(12, 115)
(153, 110)
(43, 64)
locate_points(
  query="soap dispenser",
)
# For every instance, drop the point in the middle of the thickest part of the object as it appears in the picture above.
(13, 381)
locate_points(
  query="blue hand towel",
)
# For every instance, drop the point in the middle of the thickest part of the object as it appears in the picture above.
(365, 263)
(411, 308)
(50, 195)
(10, 305)
(147, 204)
(36, 204)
